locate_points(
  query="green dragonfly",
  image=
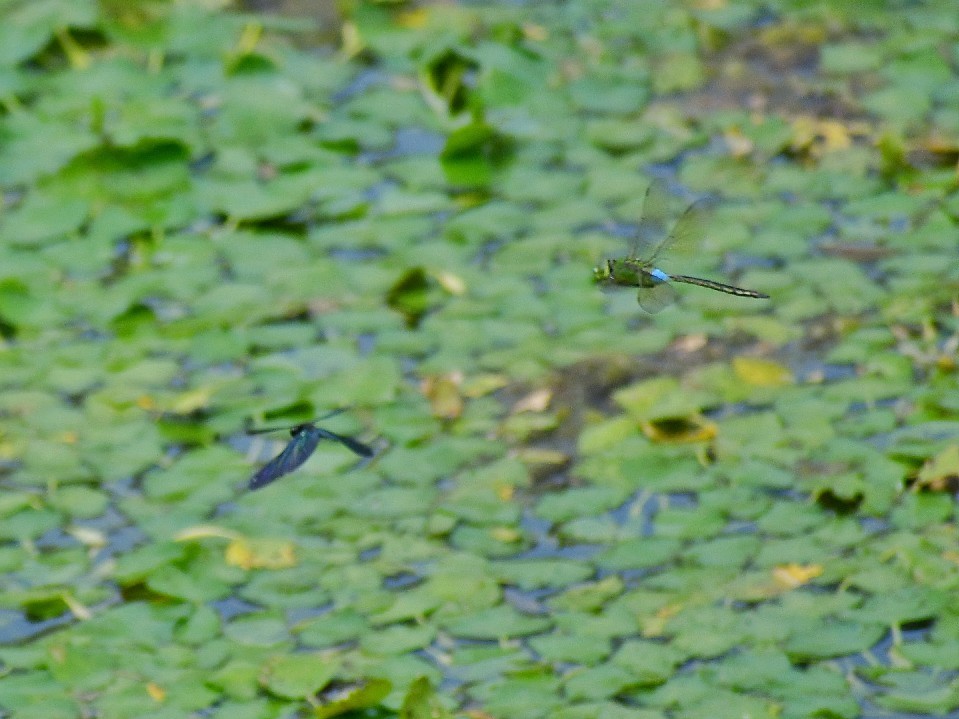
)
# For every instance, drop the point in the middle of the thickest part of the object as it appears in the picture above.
(651, 243)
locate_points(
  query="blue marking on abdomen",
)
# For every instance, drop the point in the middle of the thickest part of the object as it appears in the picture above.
(659, 275)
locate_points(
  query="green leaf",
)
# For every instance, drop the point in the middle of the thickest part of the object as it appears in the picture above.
(500, 622)
(833, 639)
(346, 698)
(422, 702)
(299, 675)
(599, 682)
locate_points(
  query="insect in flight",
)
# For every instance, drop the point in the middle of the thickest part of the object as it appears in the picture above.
(651, 243)
(305, 438)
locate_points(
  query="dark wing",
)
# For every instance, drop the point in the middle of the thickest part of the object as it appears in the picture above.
(293, 455)
(358, 447)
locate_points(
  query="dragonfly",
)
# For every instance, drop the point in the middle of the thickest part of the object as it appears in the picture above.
(651, 243)
(304, 439)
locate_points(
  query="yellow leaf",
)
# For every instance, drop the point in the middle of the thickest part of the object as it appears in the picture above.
(250, 37)
(191, 400)
(260, 554)
(655, 626)
(205, 531)
(739, 145)
(443, 394)
(483, 384)
(542, 459)
(936, 473)
(679, 430)
(505, 534)
(536, 33)
(351, 39)
(78, 57)
(156, 692)
(762, 373)
(413, 19)
(88, 536)
(536, 401)
(790, 576)
(80, 611)
(146, 402)
(454, 284)
(819, 136)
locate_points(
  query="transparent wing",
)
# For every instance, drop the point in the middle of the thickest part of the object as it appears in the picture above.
(651, 232)
(656, 298)
(293, 455)
(357, 447)
(688, 233)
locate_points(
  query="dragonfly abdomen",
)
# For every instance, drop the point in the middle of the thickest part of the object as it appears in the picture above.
(719, 286)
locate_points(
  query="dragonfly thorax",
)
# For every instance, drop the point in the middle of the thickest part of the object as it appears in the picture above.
(630, 272)
(299, 429)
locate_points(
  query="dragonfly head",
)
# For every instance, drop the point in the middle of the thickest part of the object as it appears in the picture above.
(602, 274)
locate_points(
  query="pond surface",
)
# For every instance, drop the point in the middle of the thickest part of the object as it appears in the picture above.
(217, 219)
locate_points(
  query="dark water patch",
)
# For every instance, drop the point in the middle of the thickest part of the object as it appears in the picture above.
(642, 508)
(740, 526)
(225, 509)
(537, 527)
(368, 555)
(57, 539)
(362, 82)
(735, 263)
(296, 615)
(632, 578)
(122, 540)
(355, 254)
(556, 550)
(233, 607)
(865, 253)
(527, 601)
(15, 627)
(403, 580)
(366, 343)
(874, 525)
(407, 142)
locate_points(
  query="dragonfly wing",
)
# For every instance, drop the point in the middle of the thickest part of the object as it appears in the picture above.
(656, 298)
(358, 447)
(293, 455)
(651, 235)
(688, 233)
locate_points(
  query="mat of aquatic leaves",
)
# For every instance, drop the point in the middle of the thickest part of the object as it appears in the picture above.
(734, 508)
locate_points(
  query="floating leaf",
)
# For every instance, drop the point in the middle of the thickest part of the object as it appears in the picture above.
(680, 430)
(260, 554)
(762, 373)
(299, 675)
(790, 576)
(443, 393)
(421, 702)
(341, 698)
(942, 470)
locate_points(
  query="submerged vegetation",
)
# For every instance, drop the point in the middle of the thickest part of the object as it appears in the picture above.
(577, 510)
